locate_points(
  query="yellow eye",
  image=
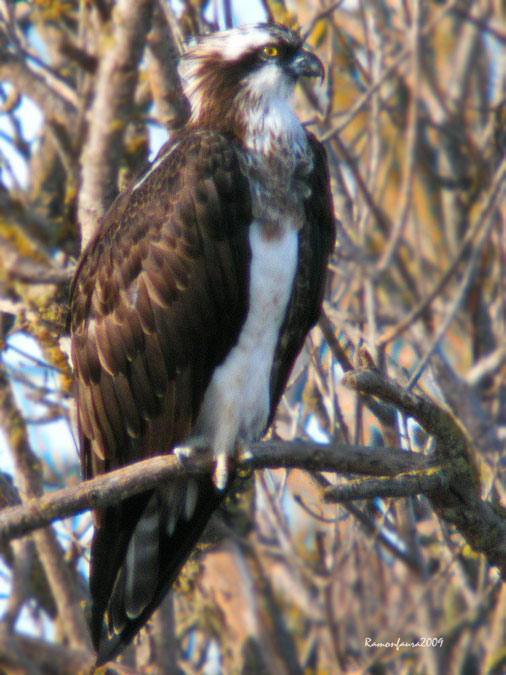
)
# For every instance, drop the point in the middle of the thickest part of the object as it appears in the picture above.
(270, 51)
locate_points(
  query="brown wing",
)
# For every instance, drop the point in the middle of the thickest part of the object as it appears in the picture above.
(316, 243)
(157, 301)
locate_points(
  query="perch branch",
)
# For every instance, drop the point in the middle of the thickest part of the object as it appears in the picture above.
(110, 488)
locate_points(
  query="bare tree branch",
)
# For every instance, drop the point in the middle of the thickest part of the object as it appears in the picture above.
(406, 485)
(21, 654)
(453, 489)
(62, 584)
(456, 499)
(15, 70)
(111, 110)
(28, 270)
(172, 105)
(127, 481)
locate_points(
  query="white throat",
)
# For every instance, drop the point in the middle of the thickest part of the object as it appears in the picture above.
(268, 113)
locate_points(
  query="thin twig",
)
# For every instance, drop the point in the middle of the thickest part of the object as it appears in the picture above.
(406, 190)
(489, 202)
(460, 504)
(485, 220)
(387, 73)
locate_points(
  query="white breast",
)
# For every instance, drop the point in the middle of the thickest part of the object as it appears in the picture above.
(236, 403)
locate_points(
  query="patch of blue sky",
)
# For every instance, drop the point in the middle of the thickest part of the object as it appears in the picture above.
(5, 584)
(315, 431)
(213, 664)
(409, 432)
(243, 11)
(34, 622)
(52, 440)
(54, 443)
(14, 170)
(31, 620)
(392, 536)
(496, 67)
(6, 461)
(248, 11)
(157, 137)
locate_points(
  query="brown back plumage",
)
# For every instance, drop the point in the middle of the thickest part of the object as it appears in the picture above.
(157, 301)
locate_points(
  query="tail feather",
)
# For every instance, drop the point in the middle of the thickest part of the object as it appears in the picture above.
(138, 551)
(141, 566)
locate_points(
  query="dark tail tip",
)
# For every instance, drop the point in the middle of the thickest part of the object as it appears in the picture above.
(108, 650)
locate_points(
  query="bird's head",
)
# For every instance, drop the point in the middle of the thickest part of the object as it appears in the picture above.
(227, 74)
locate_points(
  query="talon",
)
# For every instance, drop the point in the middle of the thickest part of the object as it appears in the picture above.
(242, 450)
(245, 454)
(220, 475)
(183, 453)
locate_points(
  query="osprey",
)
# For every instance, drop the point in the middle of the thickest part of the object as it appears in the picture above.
(191, 303)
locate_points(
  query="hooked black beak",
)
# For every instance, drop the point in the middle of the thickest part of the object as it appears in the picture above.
(306, 64)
